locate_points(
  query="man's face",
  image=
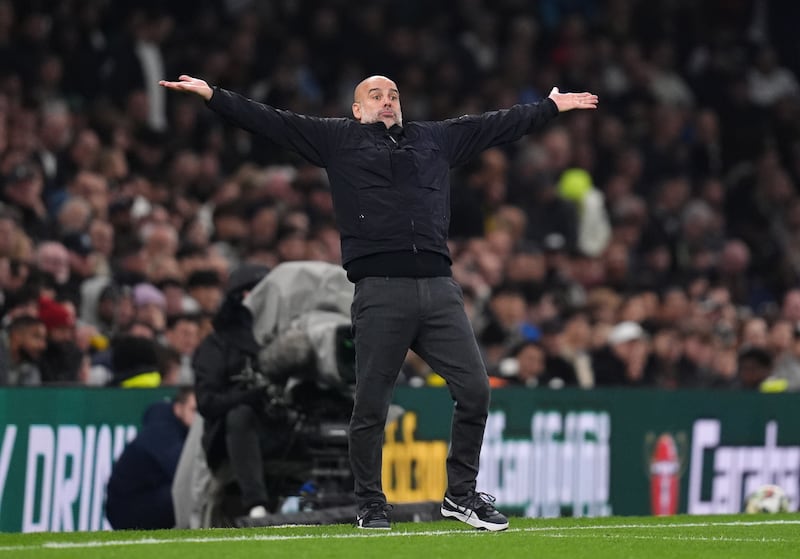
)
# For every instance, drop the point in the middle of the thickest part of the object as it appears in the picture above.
(376, 99)
(186, 411)
(531, 362)
(208, 297)
(33, 341)
(752, 373)
(184, 336)
(62, 334)
(54, 259)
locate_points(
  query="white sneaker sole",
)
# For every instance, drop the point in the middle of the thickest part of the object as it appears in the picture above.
(474, 521)
(360, 527)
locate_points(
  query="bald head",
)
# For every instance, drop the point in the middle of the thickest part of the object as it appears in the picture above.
(371, 82)
(376, 99)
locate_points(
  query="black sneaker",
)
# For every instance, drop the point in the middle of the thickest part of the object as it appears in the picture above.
(476, 509)
(374, 516)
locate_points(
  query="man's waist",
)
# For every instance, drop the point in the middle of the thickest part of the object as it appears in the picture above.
(406, 263)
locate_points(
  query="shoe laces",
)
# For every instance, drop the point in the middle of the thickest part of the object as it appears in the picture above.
(480, 500)
(376, 509)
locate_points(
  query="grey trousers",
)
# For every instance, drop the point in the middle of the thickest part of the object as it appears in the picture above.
(391, 315)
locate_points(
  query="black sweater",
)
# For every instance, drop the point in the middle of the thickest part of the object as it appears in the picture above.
(390, 187)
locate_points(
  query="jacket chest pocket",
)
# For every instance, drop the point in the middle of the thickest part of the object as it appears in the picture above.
(426, 165)
(364, 164)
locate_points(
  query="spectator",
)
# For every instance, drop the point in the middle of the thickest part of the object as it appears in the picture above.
(768, 81)
(23, 186)
(559, 371)
(150, 305)
(549, 213)
(665, 356)
(755, 333)
(93, 188)
(23, 301)
(790, 308)
(525, 366)
(81, 264)
(139, 490)
(134, 362)
(780, 340)
(137, 63)
(694, 366)
(594, 228)
(159, 240)
(785, 374)
(507, 324)
(183, 335)
(62, 360)
(178, 302)
(754, 367)
(169, 365)
(20, 352)
(53, 258)
(576, 345)
(205, 287)
(623, 362)
(73, 215)
(99, 302)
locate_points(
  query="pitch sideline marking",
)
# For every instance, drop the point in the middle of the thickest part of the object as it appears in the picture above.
(676, 538)
(670, 525)
(272, 537)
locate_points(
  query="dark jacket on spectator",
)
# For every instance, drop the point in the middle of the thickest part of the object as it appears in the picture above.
(139, 493)
(220, 358)
(610, 370)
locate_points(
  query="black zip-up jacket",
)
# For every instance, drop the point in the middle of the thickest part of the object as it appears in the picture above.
(390, 187)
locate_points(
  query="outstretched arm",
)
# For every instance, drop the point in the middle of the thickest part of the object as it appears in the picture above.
(466, 136)
(309, 136)
(189, 85)
(569, 101)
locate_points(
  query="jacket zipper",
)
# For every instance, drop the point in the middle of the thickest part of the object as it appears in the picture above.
(391, 163)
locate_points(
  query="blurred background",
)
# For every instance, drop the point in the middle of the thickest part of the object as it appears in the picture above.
(651, 242)
(654, 242)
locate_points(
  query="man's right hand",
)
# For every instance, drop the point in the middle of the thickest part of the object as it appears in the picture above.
(190, 85)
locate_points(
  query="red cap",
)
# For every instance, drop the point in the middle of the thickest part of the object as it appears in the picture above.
(54, 315)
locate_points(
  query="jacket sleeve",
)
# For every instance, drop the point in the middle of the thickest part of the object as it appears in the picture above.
(466, 136)
(311, 137)
(215, 393)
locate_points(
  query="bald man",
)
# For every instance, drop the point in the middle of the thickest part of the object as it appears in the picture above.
(391, 194)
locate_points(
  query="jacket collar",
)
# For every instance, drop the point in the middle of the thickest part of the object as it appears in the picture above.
(380, 128)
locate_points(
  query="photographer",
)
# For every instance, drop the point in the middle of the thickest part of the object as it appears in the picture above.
(235, 409)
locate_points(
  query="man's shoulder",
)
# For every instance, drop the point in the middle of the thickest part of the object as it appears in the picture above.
(338, 121)
(422, 126)
(422, 130)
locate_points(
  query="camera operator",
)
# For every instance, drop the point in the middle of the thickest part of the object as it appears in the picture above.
(236, 410)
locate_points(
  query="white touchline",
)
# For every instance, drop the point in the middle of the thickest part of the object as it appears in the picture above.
(675, 538)
(671, 525)
(361, 535)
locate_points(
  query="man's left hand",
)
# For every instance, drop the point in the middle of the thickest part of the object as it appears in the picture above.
(569, 101)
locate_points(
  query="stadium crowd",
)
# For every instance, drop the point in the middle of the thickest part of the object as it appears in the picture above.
(654, 242)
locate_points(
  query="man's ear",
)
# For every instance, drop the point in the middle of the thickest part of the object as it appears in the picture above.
(357, 110)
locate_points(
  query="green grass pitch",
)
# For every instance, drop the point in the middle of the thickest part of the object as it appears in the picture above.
(705, 537)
